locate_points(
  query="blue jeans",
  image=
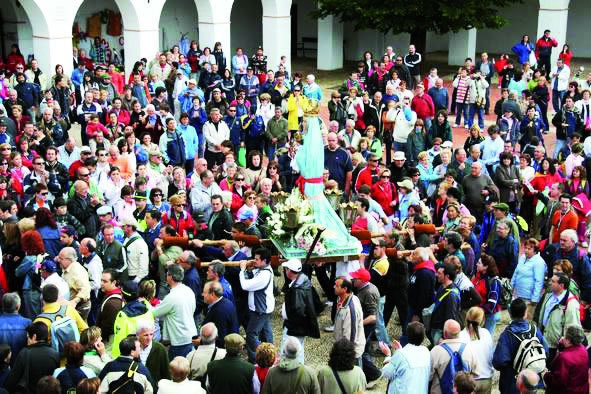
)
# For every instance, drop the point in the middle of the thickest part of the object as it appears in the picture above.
(557, 99)
(490, 322)
(473, 111)
(381, 331)
(258, 330)
(301, 356)
(400, 146)
(180, 350)
(461, 108)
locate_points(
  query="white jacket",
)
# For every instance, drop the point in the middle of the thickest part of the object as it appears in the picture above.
(563, 78)
(403, 127)
(215, 137)
(138, 257)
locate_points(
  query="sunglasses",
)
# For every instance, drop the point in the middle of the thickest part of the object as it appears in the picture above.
(4, 163)
(103, 154)
(231, 110)
(385, 176)
(39, 163)
(251, 198)
(179, 205)
(158, 195)
(5, 148)
(239, 179)
(44, 193)
(85, 175)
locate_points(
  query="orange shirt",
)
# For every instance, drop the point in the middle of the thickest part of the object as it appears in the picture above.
(561, 223)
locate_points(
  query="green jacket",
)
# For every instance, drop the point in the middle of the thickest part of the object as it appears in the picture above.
(290, 376)
(241, 373)
(562, 315)
(277, 129)
(157, 362)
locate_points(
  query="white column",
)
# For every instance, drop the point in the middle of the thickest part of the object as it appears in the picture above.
(211, 32)
(553, 15)
(277, 39)
(52, 50)
(330, 44)
(461, 45)
(139, 43)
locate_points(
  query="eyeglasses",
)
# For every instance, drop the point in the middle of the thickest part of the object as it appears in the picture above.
(103, 154)
(273, 168)
(251, 198)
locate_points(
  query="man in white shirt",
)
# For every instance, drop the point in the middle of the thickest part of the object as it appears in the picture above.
(68, 152)
(176, 314)
(50, 276)
(215, 131)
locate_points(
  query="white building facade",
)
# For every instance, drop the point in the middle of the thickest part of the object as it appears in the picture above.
(43, 29)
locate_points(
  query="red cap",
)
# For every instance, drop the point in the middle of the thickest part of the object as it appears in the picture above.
(361, 274)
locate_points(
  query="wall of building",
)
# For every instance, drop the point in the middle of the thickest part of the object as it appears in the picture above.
(17, 29)
(577, 34)
(89, 8)
(306, 26)
(178, 17)
(246, 25)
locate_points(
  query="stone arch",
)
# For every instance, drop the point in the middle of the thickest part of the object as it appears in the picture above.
(247, 27)
(177, 17)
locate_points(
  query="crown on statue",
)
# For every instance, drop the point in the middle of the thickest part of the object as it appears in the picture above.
(312, 108)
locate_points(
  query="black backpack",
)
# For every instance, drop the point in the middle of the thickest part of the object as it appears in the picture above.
(125, 384)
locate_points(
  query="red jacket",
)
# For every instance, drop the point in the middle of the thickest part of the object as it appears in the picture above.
(123, 116)
(566, 57)
(92, 129)
(367, 177)
(118, 80)
(544, 48)
(183, 225)
(423, 106)
(384, 193)
(568, 372)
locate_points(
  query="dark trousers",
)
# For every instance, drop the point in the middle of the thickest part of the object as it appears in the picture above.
(180, 350)
(213, 158)
(258, 330)
(398, 299)
(326, 281)
(544, 62)
(367, 363)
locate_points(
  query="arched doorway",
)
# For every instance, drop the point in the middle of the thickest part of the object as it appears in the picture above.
(178, 17)
(15, 28)
(247, 27)
(99, 19)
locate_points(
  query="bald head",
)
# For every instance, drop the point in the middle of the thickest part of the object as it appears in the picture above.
(451, 329)
(209, 333)
(527, 381)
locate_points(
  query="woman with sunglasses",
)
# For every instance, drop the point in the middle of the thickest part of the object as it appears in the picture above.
(19, 119)
(7, 192)
(239, 189)
(273, 175)
(157, 201)
(249, 205)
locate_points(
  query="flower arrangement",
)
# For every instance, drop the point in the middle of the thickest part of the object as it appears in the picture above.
(348, 213)
(334, 197)
(293, 218)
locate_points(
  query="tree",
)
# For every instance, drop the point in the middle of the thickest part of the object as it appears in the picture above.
(416, 17)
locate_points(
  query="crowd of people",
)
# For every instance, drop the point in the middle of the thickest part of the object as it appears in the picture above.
(104, 245)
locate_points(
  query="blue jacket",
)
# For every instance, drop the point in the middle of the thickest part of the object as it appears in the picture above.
(193, 282)
(139, 93)
(505, 251)
(506, 351)
(440, 97)
(522, 51)
(12, 332)
(197, 122)
(191, 140)
(236, 131)
(51, 240)
(223, 314)
(187, 101)
(528, 278)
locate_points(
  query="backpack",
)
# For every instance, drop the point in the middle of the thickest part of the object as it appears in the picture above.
(63, 328)
(506, 293)
(455, 365)
(125, 383)
(530, 353)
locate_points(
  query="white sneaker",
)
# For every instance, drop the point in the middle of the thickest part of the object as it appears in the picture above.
(329, 328)
(328, 303)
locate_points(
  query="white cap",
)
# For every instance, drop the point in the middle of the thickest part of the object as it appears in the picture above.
(129, 221)
(447, 144)
(104, 210)
(294, 265)
(192, 81)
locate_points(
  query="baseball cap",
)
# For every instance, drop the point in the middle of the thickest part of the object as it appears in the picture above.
(140, 195)
(447, 144)
(501, 206)
(294, 265)
(104, 210)
(361, 274)
(49, 265)
(70, 231)
(130, 289)
(249, 68)
(406, 183)
(246, 214)
(398, 155)
(129, 221)
(85, 149)
(192, 81)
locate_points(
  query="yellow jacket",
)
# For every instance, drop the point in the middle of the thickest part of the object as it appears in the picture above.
(292, 111)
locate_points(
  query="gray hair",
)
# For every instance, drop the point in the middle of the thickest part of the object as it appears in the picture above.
(11, 302)
(190, 257)
(150, 107)
(209, 333)
(69, 251)
(218, 267)
(143, 325)
(350, 122)
(179, 368)
(215, 287)
(422, 253)
(504, 223)
(292, 347)
(570, 233)
(574, 334)
(234, 245)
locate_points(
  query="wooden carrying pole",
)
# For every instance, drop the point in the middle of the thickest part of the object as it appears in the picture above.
(183, 242)
(364, 235)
